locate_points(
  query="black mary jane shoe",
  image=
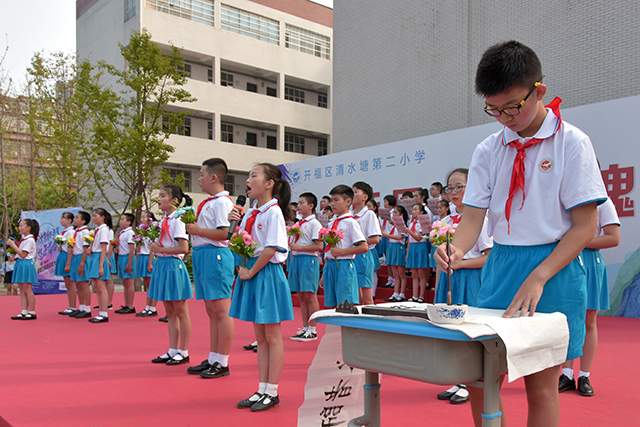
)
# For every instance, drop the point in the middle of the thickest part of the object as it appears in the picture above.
(266, 402)
(446, 395)
(126, 310)
(99, 319)
(163, 358)
(18, 316)
(216, 371)
(82, 315)
(177, 359)
(250, 401)
(164, 319)
(203, 366)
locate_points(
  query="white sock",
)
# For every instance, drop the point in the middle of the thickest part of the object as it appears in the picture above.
(401, 295)
(87, 309)
(24, 312)
(272, 390)
(31, 312)
(568, 372)
(213, 357)
(395, 295)
(146, 308)
(184, 353)
(223, 359)
(313, 329)
(103, 314)
(172, 352)
(584, 374)
(262, 387)
(152, 309)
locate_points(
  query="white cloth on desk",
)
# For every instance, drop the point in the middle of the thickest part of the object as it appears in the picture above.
(532, 343)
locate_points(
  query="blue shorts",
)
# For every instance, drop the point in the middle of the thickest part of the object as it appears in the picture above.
(304, 273)
(597, 285)
(213, 268)
(508, 267)
(364, 269)
(340, 282)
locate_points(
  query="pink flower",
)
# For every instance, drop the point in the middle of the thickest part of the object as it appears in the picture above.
(247, 239)
(340, 234)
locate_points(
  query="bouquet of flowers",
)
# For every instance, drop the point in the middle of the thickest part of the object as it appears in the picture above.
(242, 244)
(137, 239)
(153, 231)
(71, 242)
(331, 237)
(440, 230)
(89, 238)
(59, 239)
(294, 231)
(11, 251)
(187, 215)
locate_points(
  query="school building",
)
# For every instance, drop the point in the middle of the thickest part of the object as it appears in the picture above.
(261, 71)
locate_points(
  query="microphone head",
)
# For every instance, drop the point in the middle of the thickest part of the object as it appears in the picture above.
(241, 200)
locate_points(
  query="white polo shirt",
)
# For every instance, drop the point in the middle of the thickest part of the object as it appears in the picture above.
(100, 236)
(607, 215)
(67, 233)
(309, 231)
(352, 235)
(484, 242)
(418, 229)
(393, 230)
(369, 224)
(145, 246)
(79, 234)
(385, 225)
(560, 174)
(269, 230)
(214, 215)
(28, 244)
(125, 238)
(177, 231)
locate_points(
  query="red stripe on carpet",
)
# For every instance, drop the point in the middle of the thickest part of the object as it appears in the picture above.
(66, 372)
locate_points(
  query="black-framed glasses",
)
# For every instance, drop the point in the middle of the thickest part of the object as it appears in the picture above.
(455, 189)
(511, 110)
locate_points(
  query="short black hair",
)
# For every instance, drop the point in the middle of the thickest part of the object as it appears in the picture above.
(68, 215)
(438, 185)
(408, 194)
(311, 199)
(342, 190)
(327, 198)
(424, 193)
(505, 65)
(463, 171)
(216, 166)
(86, 217)
(364, 187)
(391, 200)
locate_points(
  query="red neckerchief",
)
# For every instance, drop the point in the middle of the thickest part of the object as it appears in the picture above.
(164, 229)
(204, 202)
(300, 224)
(455, 219)
(248, 226)
(517, 173)
(334, 227)
(414, 221)
(78, 230)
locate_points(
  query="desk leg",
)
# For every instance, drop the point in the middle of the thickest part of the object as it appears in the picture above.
(491, 414)
(371, 417)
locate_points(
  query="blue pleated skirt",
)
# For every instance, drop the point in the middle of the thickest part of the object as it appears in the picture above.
(61, 262)
(508, 267)
(213, 269)
(303, 273)
(597, 285)
(169, 280)
(396, 254)
(265, 299)
(141, 266)
(432, 256)
(25, 272)
(92, 267)
(364, 269)
(418, 256)
(122, 267)
(113, 266)
(340, 282)
(465, 285)
(75, 263)
(381, 247)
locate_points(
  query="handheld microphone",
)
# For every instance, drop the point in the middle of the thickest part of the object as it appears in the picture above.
(240, 202)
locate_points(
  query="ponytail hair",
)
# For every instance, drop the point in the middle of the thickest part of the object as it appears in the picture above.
(421, 208)
(281, 188)
(130, 218)
(177, 193)
(106, 215)
(34, 227)
(403, 213)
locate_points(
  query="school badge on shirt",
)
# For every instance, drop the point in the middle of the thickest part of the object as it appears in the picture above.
(546, 165)
(260, 226)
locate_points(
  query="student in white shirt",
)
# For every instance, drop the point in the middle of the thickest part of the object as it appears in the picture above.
(77, 262)
(396, 256)
(24, 273)
(539, 182)
(127, 262)
(388, 202)
(303, 267)
(97, 264)
(144, 265)
(418, 254)
(66, 221)
(608, 236)
(261, 294)
(365, 264)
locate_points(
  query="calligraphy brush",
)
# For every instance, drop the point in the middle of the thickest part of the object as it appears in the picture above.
(448, 270)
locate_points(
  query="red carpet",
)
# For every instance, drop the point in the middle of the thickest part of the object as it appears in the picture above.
(66, 372)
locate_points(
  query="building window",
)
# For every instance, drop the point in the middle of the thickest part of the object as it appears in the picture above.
(252, 139)
(229, 183)
(226, 132)
(294, 143)
(322, 100)
(272, 142)
(186, 128)
(294, 94)
(195, 10)
(184, 68)
(210, 129)
(129, 9)
(226, 79)
(272, 91)
(182, 177)
(210, 74)
(252, 87)
(323, 147)
(307, 42)
(249, 24)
